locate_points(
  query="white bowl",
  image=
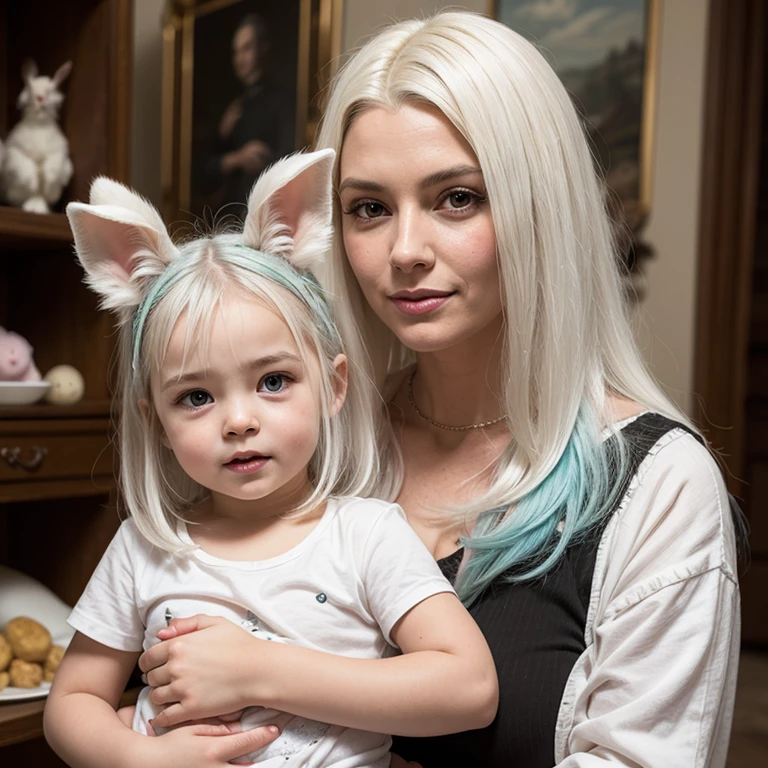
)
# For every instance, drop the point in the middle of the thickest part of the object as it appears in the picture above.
(22, 392)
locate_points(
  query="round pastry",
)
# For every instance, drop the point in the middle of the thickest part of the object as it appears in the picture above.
(67, 385)
(24, 674)
(53, 659)
(6, 654)
(48, 676)
(5, 679)
(29, 640)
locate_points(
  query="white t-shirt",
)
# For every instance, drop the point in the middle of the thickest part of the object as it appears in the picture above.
(340, 590)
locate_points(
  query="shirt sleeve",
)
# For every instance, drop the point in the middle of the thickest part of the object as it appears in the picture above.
(656, 685)
(106, 611)
(397, 570)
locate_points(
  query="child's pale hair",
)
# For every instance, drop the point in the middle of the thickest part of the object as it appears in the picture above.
(150, 283)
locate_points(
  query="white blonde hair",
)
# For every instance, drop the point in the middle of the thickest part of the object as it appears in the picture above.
(156, 490)
(150, 283)
(567, 341)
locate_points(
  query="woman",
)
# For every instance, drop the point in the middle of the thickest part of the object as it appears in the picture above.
(586, 524)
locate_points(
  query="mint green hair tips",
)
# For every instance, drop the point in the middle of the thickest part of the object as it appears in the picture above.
(276, 269)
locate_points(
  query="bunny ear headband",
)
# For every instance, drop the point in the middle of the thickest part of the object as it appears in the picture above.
(131, 262)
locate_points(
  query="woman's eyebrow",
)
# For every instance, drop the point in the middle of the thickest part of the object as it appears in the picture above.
(361, 184)
(449, 173)
(438, 177)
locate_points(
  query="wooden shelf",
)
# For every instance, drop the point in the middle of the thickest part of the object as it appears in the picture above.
(22, 721)
(57, 514)
(24, 230)
(56, 489)
(83, 409)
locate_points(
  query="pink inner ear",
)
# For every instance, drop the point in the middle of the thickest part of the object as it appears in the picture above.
(302, 197)
(115, 241)
(290, 203)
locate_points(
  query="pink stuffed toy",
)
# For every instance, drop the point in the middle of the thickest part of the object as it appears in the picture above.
(16, 358)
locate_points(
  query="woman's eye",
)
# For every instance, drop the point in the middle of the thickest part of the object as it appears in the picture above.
(196, 399)
(372, 210)
(459, 199)
(367, 209)
(273, 382)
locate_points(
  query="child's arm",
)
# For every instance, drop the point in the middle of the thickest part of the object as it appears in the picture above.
(444, 682)
(82, 727)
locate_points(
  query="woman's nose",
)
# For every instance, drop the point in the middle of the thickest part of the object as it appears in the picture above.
(410, 249)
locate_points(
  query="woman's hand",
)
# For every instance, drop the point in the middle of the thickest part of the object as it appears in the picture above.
(205, 667)
(398, 762)
(203, 746)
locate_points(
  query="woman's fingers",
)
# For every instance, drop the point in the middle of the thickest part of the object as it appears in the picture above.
(153, 657)
(398, 762)
(158, 676)
(231, 717)
(209, 729)
(243, 743)
(165, 695)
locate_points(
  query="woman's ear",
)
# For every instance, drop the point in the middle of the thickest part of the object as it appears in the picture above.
(146, 413)
(340, 383)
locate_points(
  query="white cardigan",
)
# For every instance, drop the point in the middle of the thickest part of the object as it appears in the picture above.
(655, 686)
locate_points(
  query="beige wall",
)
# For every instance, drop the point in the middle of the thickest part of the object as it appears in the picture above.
(666, 316)
(360, 20)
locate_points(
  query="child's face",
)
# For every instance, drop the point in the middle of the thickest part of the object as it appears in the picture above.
(242, 416)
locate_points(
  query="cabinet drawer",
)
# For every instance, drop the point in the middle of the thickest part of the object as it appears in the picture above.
(34, 453)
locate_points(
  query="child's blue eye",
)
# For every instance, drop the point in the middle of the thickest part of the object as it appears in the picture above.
(196, 399)
(273, 382)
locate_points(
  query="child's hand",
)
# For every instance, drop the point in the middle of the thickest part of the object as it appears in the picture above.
(204, 668)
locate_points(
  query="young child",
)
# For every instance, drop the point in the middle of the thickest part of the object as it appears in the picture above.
(242, 469)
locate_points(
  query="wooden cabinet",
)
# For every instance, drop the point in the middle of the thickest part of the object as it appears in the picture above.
(57, 464)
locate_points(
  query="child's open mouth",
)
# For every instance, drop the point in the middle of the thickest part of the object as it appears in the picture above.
(245, 463)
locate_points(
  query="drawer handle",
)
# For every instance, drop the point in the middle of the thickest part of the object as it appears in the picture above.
(12, 457)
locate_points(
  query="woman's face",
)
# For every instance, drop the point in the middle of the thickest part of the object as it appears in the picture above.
(417, 227)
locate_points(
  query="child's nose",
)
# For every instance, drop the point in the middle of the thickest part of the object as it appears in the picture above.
(241, 419)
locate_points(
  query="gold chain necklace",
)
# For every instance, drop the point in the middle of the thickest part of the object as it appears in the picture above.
(463, 428)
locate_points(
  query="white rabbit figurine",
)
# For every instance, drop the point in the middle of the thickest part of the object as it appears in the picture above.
(37, 167)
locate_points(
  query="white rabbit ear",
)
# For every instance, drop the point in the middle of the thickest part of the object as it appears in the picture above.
(290, 209)
(28, 70)
(121, 242)
(62, 73)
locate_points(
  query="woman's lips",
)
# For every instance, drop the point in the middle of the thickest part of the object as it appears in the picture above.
(419, 305)
(246, 466)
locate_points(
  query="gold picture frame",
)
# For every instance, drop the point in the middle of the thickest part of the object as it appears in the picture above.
(626, 148)
(303, 39)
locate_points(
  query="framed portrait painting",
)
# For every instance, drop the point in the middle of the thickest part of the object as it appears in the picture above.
(241, 80)
(604, 53)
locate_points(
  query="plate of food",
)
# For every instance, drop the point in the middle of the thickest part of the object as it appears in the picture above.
(34, 636)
